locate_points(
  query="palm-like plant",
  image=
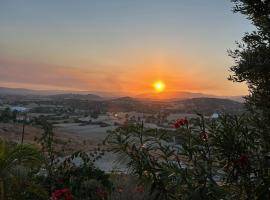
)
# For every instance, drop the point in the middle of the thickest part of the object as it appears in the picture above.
(14, 158)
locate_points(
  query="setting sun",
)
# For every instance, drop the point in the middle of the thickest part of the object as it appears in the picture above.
(159, 86)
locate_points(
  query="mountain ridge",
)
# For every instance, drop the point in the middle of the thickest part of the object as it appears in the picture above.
(165, 96)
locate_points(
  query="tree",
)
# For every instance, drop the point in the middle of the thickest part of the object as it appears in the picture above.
(15, 160)
(252, 63)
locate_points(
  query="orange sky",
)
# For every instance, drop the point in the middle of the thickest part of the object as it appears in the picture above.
(119, 46)
(137, 78)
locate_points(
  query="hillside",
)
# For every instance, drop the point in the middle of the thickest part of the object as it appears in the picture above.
(203, 105)
(207, 105)
(75, 96)
(170, 96)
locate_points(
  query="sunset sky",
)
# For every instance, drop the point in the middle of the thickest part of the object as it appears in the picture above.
(119, 45)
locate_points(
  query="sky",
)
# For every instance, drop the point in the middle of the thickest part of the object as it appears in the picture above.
(119, 45)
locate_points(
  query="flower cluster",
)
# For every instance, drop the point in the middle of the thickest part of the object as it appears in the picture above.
(180, 122)
(62, 194)
(101, 193)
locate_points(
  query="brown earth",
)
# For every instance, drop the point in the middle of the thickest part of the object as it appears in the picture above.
(64, 142)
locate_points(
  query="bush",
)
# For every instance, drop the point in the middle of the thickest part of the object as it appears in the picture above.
(218, 159)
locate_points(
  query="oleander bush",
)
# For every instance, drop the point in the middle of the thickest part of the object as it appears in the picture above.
(212, 159)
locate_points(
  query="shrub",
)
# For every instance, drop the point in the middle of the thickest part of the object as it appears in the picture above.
(218, 159)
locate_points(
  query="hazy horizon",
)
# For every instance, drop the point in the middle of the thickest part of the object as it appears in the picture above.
(169, 95)
(119, 46)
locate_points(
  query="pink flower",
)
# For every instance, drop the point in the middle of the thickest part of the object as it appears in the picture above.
(62, 194)
(176, 125)
(180, 122)
(185, 121)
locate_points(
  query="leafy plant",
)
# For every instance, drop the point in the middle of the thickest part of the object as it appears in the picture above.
(212, 159)
(76, 171)
(18, 164)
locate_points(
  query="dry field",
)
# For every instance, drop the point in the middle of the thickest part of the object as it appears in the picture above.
(70, 142)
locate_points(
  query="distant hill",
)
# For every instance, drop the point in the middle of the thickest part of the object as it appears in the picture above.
(203, 105)
(15, 91)
(181, 95)
(90, 97)
(172, 102)
(175, 95)
(207, 105)
(23, 91)
(95, 95)
(240, 99)
(124, 104)
(49, 94)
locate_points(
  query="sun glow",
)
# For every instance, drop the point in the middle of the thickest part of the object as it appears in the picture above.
(159, 86)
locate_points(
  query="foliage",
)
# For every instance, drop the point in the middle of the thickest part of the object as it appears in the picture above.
(27, 172)
(18, 164)
(79, 174)
(212, 160)
(127, 186)
(252, 63)
(76, 171)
